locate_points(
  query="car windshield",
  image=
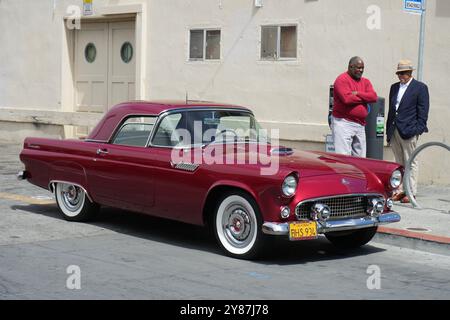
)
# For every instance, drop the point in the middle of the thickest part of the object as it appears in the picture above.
(208, 126)
(224, 126)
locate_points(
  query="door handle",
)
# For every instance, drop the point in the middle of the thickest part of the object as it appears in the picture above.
(102, 151)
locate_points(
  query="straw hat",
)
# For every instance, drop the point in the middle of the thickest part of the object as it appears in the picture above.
(404, 65)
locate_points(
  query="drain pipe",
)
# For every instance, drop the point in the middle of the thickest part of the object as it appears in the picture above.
(407, 183)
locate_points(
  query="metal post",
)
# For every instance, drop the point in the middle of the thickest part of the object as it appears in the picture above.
(421, 40)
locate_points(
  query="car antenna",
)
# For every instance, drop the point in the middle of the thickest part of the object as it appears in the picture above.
(186, 97)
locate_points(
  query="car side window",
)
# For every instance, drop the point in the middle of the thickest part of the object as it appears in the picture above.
(166, 134)
(135, 131)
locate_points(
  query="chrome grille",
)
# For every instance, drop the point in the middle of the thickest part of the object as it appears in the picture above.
(341, 207)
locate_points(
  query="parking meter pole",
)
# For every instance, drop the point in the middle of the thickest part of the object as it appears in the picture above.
(375, 130)
(330, 104)
(329, 143)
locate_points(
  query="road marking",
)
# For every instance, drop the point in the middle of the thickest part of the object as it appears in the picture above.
(26, 199)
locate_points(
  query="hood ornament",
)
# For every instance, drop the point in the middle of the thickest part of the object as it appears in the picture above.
(345, 182)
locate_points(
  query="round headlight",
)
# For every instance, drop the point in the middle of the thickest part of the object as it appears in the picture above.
(396, 179)
(289, 186)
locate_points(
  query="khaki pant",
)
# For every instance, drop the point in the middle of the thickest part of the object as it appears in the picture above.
(402, 152)
(349, 137)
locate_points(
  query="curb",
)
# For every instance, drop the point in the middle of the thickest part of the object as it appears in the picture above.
(414, 240)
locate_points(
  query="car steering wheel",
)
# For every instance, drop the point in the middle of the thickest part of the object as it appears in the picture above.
(224, 131)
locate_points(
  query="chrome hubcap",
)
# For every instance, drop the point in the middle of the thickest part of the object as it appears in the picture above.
(237, 225)
(72, 196)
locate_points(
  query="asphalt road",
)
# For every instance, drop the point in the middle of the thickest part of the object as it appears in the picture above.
(123, 255)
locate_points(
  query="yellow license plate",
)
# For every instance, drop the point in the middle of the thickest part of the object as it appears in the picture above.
(302, 230)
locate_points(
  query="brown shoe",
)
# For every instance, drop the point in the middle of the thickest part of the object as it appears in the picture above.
(405, 199)
(399, 196)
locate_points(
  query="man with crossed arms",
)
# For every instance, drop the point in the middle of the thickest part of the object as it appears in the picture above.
(352, 92)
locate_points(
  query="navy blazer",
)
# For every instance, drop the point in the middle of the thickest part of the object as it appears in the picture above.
(411, 117)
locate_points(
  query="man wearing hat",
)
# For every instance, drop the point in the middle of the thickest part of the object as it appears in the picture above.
(407, 119)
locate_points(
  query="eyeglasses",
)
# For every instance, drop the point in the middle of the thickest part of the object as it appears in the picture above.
(402, 73)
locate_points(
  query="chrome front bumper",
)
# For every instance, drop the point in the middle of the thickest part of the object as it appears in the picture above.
(282, 228)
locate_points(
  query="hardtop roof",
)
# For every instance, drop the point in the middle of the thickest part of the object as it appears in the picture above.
(104, 129)
(159, 106)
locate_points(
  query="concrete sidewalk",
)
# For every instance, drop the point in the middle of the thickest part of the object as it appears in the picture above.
(426, 228)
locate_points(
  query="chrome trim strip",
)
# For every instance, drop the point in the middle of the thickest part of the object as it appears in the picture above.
(51, 188)
(97, 141)
(281, 229)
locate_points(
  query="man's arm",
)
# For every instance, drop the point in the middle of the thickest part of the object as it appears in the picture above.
(423, 106)
(345, 93)
(369, 95)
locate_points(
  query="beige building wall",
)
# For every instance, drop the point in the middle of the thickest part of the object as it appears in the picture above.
(289, 95)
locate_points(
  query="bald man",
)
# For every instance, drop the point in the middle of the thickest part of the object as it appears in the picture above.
(352, 93)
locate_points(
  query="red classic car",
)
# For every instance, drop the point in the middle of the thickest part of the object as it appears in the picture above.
(211, 164)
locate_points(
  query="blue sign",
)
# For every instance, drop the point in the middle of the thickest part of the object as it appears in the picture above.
(413, 6)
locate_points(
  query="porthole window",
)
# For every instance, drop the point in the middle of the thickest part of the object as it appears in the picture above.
(126, 52)
(90, 52)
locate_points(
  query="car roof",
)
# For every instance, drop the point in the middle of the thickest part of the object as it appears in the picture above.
(116, 114)
(160, 106)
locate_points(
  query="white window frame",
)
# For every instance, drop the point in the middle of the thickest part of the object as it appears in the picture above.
(203, 59)
(278, 48)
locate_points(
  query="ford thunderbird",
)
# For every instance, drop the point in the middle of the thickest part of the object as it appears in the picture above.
(213, 165)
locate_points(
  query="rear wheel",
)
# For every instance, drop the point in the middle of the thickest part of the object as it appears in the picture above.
(73, 202)
(237, 225)
(351, 239)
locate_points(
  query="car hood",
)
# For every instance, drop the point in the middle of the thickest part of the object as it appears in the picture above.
(310, 164)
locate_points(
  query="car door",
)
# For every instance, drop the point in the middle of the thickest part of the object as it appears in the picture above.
(122, 174)
(179, 185)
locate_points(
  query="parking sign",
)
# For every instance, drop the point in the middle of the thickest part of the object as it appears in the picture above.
(87, 7)
(412, 6)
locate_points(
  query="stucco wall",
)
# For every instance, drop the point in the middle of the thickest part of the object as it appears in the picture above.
(30, 56)
(292, 96)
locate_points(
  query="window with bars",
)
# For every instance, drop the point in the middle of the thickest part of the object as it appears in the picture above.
(204, 44)
(278, 42)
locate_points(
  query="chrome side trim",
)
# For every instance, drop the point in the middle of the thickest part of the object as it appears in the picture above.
(52, 189)
(281, 229)
(93, 140)
(191, 167)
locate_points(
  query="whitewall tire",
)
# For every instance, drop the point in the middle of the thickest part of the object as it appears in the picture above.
(73, 202)
(238, 225)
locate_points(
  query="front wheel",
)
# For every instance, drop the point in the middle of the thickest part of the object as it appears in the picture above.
(351, 239)
(73, 202)
(237, 225)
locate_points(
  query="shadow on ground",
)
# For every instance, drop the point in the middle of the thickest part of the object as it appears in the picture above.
(279, 251)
